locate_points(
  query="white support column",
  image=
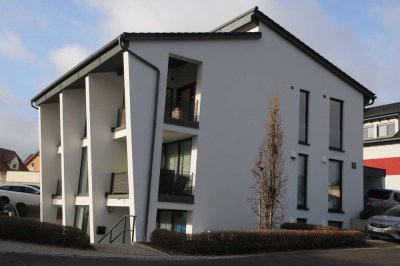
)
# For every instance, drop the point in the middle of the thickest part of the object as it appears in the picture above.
(140, 85)
(104, 95)
(50, 161)
(73, 115)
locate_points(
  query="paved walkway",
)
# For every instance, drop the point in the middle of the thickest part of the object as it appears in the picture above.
(101, 250)
(140, 251)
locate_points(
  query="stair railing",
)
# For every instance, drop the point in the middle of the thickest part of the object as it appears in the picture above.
(124, 219)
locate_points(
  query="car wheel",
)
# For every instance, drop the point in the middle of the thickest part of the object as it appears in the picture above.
(3, 202)
(21, 208)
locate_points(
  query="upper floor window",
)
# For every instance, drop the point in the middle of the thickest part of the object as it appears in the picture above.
(368, 132)
(386, 130)
(303, 117)
(336, 124)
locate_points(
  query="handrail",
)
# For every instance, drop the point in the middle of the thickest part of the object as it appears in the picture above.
(123, 218)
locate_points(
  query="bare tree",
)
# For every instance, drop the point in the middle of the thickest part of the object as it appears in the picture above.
(269, 178)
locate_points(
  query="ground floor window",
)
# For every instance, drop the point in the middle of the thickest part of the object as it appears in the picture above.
(301, 221)
(336, 224)
(174, 220)
(82, 218)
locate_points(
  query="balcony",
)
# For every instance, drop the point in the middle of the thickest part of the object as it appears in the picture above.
(119, 186)
(182, 111)
(175, 187)
(121, 120)
(57, 197)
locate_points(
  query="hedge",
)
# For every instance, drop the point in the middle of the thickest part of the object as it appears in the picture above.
(224, 243)
(301, 226)
(31, 231)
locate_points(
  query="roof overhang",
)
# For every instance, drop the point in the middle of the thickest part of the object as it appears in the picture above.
(109, 58)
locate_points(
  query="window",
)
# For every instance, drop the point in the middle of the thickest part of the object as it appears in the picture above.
(30, 191)
(83, 178)
(386, 130)
(303, 117)
(396, 196)
(368, 132)
(301, 220)
(176, 156)
(17, 189)
(302, 182)
(335, 186)
(5, 188)
(14, 166)
(335, 124)
(172, 220)
(82, 218)
(336, 224)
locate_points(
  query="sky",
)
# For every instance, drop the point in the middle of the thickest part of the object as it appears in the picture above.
(42, 39)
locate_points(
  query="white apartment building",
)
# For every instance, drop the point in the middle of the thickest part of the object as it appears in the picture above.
(167, 126)
(382, 143)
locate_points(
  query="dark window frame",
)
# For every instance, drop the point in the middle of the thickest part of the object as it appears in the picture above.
(340, 209)
(179, 152)
(173, 212)
(301, 220)
(306, 141)
(332, 223)
(341, 125)
(305, 182)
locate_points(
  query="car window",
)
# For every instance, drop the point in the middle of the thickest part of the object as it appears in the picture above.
(35, 186)
(396, 196)
(17, 188)
(30, 190)
(5, 187)
(379, 194)
(393, 212)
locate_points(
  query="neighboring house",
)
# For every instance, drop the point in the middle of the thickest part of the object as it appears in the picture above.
(9, 161)
(382, 141)
(167, 126)
(32, 162)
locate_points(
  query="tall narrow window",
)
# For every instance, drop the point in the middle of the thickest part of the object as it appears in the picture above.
(335, 186)
(83, 178)
(336, 124)
(302, 182)
(82, 218)
(303, 117)
(176, 156)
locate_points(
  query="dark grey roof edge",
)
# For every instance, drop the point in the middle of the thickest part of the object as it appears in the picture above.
(138, 36)
(148, 36)
(313, 54)
(82, 64)
(374, 142)
(236, 18)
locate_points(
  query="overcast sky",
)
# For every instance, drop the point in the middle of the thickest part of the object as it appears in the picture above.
(40, 40)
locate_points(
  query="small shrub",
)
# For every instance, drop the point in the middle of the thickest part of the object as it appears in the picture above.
(300, 226)
(223, 243)
(31, 231)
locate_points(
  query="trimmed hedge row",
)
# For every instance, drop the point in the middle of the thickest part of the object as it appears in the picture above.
(223, 243)
(300, 226)
(31, 231)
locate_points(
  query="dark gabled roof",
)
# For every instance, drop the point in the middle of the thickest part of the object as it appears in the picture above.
(150, 36)
(251, 17)
(113, 48)
(6, 156)
(382, 110)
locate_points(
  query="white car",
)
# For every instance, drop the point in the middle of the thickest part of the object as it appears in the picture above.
(16, 193)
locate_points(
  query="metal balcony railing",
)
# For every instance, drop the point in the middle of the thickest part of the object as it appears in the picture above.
(119, 184)
(177, 184)
(182, 109)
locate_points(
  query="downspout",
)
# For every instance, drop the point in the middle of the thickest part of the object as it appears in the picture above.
(125, 47)
(32, 104)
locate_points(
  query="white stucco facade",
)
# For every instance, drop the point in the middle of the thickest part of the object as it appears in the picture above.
(232, 82)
